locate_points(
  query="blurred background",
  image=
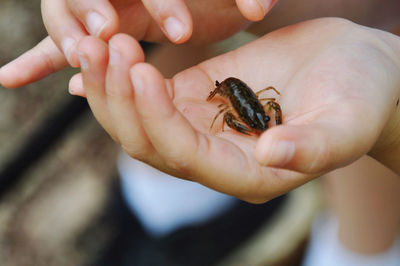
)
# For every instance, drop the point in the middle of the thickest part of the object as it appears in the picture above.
(57, 166)
(60, 201)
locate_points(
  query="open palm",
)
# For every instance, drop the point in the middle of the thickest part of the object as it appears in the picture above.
(336, 99)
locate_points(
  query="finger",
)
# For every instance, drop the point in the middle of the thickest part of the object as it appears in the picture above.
(93, 55)
(125, 52)
(315, 148)
(33, 65)
(64, 29)
(255, 10)
(98, 16)
(173, 17)
(75, 86)
(163, 123)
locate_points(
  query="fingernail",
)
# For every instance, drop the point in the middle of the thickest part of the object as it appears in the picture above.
(3, 76)
(83, 60)
(137, 82)
(1, 70)
(264, 4)
(114, 57)
(174, 28)
(72, 87)
(72, 91)
(280, 153)
(95, 23)
(67, 45)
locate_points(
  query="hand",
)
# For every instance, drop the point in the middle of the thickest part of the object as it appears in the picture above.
(72, 19)
(68, 21)
(338, 97)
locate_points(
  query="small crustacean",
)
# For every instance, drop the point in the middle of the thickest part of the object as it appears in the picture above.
(251, 114)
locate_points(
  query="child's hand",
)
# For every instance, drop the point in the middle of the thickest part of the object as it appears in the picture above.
(339, 85)
(68, 21)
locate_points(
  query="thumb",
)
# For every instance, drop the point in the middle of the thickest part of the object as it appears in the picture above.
(312, 149)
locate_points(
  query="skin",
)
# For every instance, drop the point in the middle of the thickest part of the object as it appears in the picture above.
(365, 198)
(67, 23)
(382, 14)
(149, 116)
(68, 20)
(46, 58)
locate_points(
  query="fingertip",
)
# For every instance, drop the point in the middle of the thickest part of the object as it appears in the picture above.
(93, 55)
(139, 74)
(45, 58)
(83, 44)
(294, 148)
(75, 86)
(124, 52)
(23, 70)
(274, 149)
(99, 17)
(69, 48)
(177, 31)
(74, 59)
(127, 44)
(90, 45)
(95, 23)
(3, 81)
(309, 149)
(151, 92)
(174, 19)
(11, 76)
(102, 26)
(255, 10)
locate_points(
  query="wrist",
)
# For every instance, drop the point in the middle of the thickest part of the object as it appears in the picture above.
(387, 149)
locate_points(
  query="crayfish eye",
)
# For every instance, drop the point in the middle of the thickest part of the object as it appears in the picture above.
(266, 119)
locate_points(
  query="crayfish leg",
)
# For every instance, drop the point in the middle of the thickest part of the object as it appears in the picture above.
(234, 123)
(266, 89)
(277, 108)
(224, 108)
